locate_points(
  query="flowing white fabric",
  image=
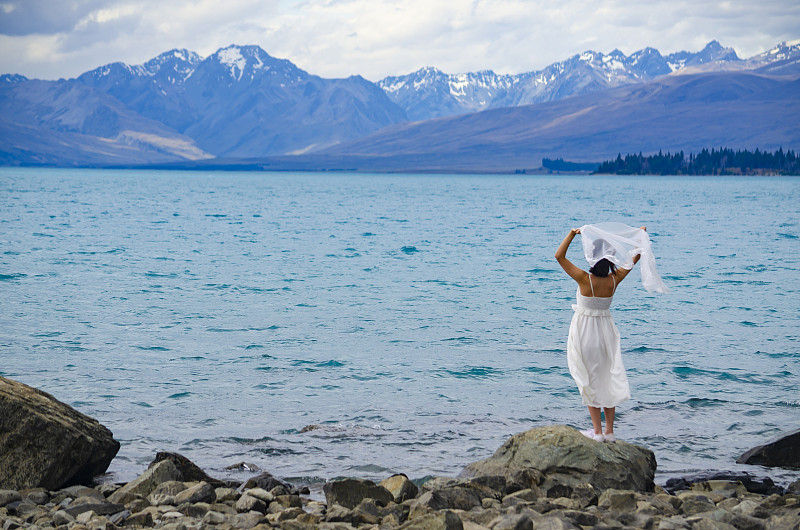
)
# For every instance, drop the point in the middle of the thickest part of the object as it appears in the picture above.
(593, 353)
(619, 243)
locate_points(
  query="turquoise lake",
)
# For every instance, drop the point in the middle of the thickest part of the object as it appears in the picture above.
(415, 321)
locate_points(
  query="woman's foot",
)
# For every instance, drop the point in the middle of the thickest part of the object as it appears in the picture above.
(597, 437)
(609, 438)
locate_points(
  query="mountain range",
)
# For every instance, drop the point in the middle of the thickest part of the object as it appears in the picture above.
(242, 104)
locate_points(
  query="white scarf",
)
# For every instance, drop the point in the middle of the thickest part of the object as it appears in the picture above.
(619, 243)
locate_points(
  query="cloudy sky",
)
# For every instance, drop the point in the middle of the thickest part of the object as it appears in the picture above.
(49, 39)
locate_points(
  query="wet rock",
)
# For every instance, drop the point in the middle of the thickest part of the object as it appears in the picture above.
(46, 443)
(243, 466)
(762, 486)
(350, 492)
(780, 452)
(147, 482)
(400, 487)
(565, 456)
(265, 481)
(189, 471)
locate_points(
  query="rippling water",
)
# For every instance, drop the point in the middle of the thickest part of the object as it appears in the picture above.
(416, 321)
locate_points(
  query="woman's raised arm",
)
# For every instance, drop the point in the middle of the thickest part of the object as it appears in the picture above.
(561, 255)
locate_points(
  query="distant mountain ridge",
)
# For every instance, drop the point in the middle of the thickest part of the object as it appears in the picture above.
(240, 102)
(430, 93)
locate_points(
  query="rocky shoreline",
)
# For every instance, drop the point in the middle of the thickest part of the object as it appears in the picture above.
(159, 499)
(546, 478)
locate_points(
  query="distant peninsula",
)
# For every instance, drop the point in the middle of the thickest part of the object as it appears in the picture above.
(724, 161)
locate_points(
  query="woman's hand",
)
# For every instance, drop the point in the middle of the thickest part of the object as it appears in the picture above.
(643, 228)
(576, 231)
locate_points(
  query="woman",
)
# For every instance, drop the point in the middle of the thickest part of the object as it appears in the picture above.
(593, 347)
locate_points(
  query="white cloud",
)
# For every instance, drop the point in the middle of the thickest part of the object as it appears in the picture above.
(375, 38)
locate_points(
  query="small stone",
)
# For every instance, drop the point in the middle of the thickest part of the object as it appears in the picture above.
(338, 514)
(224, 508)
(526, 495)
(514, 522)
(62, 517)
(137, 505)
(581, 517)
(289, 501)
(617, 500)
(243, 466)
(161, 499)
(401, 488)
(440, 520)
(170, 487)
(585, 494)
(290, 513)
(139, 519)
(9, 496)
(695, 505)
(119, 517)
(246, 503)
(202, 492)
(226, 494)
(197, 510)
(247, 520)
(350, 492)
(745, 507)
(212, 517)
(38, 497)
(488, 503)
(147, 482)
(85, 517)
(264, 480)
(261, 493)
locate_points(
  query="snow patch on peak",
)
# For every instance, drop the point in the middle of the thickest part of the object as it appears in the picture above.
(233, 59)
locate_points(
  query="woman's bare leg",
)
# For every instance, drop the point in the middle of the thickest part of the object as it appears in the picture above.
(594, 413)
(609, 420)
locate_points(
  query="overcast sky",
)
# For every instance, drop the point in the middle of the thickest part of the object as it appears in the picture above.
(48, 39)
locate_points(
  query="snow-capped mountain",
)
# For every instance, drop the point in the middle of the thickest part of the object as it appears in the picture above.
(237, 102)
(240, 102)
(430, 93)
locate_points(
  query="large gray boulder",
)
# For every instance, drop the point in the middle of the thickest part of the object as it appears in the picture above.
(46, 443)
(780, 452)
(567, 457)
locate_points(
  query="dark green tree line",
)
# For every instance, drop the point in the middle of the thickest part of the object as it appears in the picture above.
(724, 161)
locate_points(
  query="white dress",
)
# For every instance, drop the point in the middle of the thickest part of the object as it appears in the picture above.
(593, 353)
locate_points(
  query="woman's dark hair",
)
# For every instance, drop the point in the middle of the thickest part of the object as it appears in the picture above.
(602, 268)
